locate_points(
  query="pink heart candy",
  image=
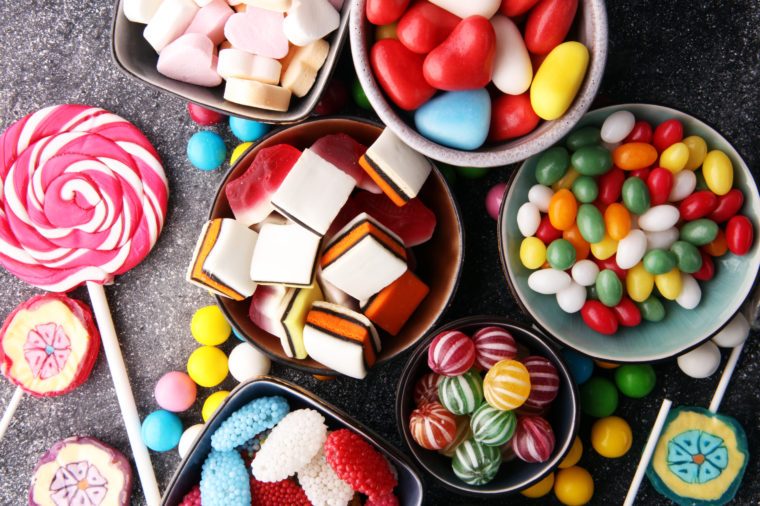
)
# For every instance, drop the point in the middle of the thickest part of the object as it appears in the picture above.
(195, 48)
(210, 20)
(257, 31)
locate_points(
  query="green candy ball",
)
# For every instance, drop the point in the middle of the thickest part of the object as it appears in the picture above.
(635, 380)
(599, 397)
(357, 92)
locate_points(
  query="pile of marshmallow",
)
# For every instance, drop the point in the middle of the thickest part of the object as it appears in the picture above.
(268, 50)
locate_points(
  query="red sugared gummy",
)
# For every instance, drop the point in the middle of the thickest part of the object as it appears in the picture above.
(728, 205)
(627, 313)
(359, 464)
(451, 353)
(666, 134)
(660, 182)
(493, 344)
(344, 152)
(426, 389)
(512, 116)
(278, 493)
(424, 26)
(533, 440)
(192, 498)
(385, 500)
(642, 132)
(599, 317)
(611, 186)
(544, 382)
(432, 426)
(546, 231)
(203, 116)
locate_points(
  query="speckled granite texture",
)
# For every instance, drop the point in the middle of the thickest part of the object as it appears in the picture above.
(701, 57)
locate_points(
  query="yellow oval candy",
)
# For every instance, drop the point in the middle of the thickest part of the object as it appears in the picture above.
(532, 252)
(697, 151)
(558, 79)
(566, 181)
(669, 284)
(639, 283)
(718, 172)
(675, 157)
(211, 404)
(605, 248)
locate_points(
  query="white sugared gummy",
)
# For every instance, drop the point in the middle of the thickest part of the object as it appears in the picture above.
(528, 219)
(631, 249)
(701, 362)
(549, 281)
(572, 298)
(684, 183)
(322, 485)
(690, 294)
(659, 218)
(662, 240)
(585, 272)
(733, 334)
(617, 126)
(540, 196)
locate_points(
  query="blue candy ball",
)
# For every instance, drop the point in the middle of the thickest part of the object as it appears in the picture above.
(161, 430)
(581, 367)
(248, 130)
(206, 150)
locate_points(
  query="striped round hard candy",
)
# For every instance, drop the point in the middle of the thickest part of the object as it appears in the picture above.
(533, 440)
(451, 353)
(432, 426)
(464, 432)
(493, 344)
(461, 394)
(544, 382)
(426, 389)
(507, 385)
(475, 463)
(491, 426)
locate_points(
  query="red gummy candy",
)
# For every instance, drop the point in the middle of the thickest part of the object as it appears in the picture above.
(278, 493)
(356, 462)
(193, 498)
(344, 152)
(386, 500)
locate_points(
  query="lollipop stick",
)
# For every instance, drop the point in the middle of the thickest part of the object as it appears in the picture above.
(124, 392)
(646, 455)
(10, 409)
(725, 378)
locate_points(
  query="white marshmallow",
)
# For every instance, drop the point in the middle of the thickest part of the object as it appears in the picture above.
(236, 63)
(140, 11)
(170, 20)
(310, 20)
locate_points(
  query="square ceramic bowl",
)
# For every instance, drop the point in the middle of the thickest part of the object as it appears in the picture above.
(188, 474)
(681, 329)
(513, 476)
(136, 58)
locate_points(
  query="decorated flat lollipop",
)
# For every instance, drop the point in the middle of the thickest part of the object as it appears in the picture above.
(83, 199)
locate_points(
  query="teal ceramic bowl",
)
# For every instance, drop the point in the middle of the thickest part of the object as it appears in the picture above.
(681, 329)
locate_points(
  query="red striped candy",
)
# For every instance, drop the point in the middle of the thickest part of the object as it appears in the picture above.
(451, 353)
(533, 440)
(432, 426)
(493, 344)
(544, 382)
(426, 389)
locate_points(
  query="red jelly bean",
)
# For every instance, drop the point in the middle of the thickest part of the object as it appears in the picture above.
(698, 205)
(610, 185)
(728, 205)
(424, 26)
(612, 265)
(512, 116)
(666, 134)
(739, 235)
(399, 72)
(599, 317)
(660, 182)
(627, 313)
(642, 174)
(383, 12)
(707, 271)
(642, 132)
(548, 24)
(546, 232)
(514, 8)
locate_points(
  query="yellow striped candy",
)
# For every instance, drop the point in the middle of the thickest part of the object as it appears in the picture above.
(506, 385)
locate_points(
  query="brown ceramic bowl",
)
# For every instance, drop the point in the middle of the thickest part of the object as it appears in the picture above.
(439, 261)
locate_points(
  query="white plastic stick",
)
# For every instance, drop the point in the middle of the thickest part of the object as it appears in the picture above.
(10, 409)
(646, 455)
(725, 378)
(124, 393)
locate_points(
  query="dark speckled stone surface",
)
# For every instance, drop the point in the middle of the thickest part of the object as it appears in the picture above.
(701, 57)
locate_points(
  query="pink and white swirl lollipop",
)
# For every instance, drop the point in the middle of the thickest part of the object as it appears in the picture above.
(83, 199)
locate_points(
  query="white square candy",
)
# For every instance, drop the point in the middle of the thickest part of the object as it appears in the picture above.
(285, 255)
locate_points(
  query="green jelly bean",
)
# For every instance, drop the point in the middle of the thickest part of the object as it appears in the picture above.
(590, 223)
(599, 397)
(585, 189)
(592, 160)
(587, 136)
(689, 259)
(552, 165)
(357, 92)
(701, 183)
(659, 261)
(560, 254)
(636, 195)
(652, 309)
(699, 232)
(609, 287)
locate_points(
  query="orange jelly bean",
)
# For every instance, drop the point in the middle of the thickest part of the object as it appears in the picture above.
(617, 221)
(562, 209)
(574, 237)
(718, 247)
(634, 155)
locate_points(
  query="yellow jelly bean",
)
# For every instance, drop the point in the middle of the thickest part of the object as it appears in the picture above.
(566, 181)
(718, 172)
(669, 284)
(541, 488)
(211, 404)
(574, 455)
(639, 283)
(605, 248)
(238, 151)
(611, 437)
(675, 157)
(532, 252)
(573, 486)
(697, 151)
(558, 79)
(386, 32)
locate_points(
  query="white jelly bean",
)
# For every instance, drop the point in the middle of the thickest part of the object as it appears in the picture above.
(659, 218)
(512, 69)
(690, 294)
(663, 239)
(617, 126)
(702, 361)
(631, 249)
(572, 298)
(684, 183)
(585, 272)
(540, 196)
(610, 146)
(528, 219)
(733, 334)
(549, 281)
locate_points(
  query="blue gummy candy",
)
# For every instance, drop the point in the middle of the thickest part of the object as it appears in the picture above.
(248, 421)
(458, 119)
(224, 480)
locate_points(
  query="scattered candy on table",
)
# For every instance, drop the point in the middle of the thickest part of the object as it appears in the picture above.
(611, 437)
(161, 430)
(209, 326)
(175, 391)
(206, 150)
(188, 439)
(207, 366)
(212, 403)
(248, 130)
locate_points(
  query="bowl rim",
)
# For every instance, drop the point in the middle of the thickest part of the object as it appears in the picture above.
(325, 371)
(501, 241)
(404, 388)
(496, 157)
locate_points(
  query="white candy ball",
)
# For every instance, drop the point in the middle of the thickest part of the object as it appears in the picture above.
(701, 362)
(733, 334)
(188, 438)
(246, 362)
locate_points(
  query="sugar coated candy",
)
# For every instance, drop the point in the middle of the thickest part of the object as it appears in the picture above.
(507, 385)
(432, 426)
(534, 439)
(461, 394)
(451, 353)
(475, 463)
(493, 344)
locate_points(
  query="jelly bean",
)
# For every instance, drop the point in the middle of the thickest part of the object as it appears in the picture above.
(684, 183)
(618, 126)
(599, 317)
(659, 218)
(609, 288)
(718, 246)
(697, 151)
(699, 232)
(562, 210)
(584, 272)
(688, 258)
(652, 309)
(494, 198)
(546, 232)
(690, 294)
(728, 205)
(513, 8)
(669, 283)
(698, 205)
(707, 271)
(548, 23)
(567, 180)
(582, 137)
(559, 77)
(631, 249)
(548, 281)
(635, 195)
(574, 455)
(700, 183)
(532, 253)
(590, 223)
(642, 174)
(662, 240)
(386, 31)
(617, 221)
(552, 165)
(610, 185)
(585, 189)
(611, 264)
(541, 488)
(666, 134)
(659, 182)
(718, 172)
(573, 486)
(572, 298)
(658, 261)
(605, 248)
(528, 219)
(642, 132)
(560, 254)
(591, 160)
(599, 396)
(611, 437)
(675, 157)
(635, 380)
(639, 283)
(627, 313)
(540, 196)
(739, 235)
(634, 155)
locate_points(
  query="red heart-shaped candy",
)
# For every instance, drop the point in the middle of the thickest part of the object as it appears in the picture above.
(382, 12)
(399, 72)
(424, 26)
(511, 117)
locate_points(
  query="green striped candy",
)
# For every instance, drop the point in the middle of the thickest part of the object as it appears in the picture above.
(491, 426)
(461, 394)
(475, 463)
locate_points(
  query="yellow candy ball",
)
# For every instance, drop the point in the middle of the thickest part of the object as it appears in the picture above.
(209, 326)
(207, 366)
(211, 404)
(238, 151)
(540, 489)
(574, 455)
(611, 437)
(573, 486)
(506, 385)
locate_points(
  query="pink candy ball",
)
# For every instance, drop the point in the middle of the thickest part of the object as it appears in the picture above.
(203, 116)
(451, 353)
(544, 382)
(493, 199)
(533, 440)
(175, 391)
(493, 344)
